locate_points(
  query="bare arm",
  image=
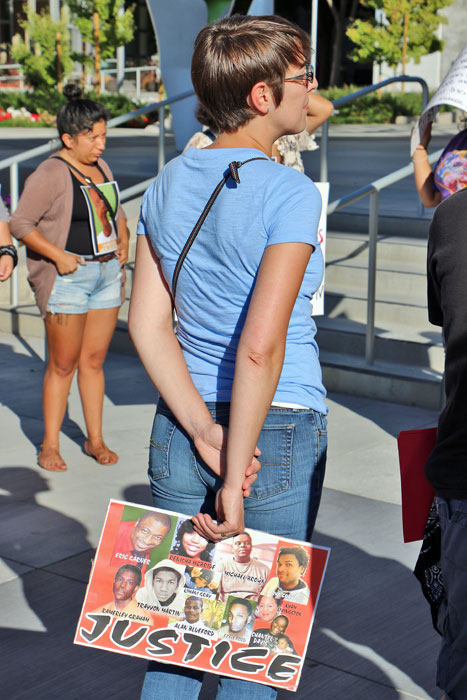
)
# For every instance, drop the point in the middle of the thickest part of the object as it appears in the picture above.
(64, 262)
(319, 109)
(123, 240)
(424, 177)
(42, 188)
(151, 329)
(6, 261)
(258, 366)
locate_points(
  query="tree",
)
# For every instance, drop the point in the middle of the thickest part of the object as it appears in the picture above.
(400, 29)
(48, 61)
(101, 23)
(340, 10)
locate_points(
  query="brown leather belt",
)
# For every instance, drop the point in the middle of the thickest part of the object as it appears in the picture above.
(100, 258)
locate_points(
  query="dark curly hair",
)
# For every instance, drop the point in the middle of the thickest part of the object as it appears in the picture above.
(186, 527)
(79, 115)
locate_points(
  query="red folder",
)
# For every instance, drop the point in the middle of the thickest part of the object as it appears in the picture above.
(415, 447)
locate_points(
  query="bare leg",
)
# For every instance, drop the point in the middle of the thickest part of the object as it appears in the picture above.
(98, 331)
(64, 336)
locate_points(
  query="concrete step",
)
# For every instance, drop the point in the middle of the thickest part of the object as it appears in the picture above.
(409, 356)
(408, 226)
(394, 249)
(386, 381)
(398, 346)
(401, 266)
(400, 281)
(408, 283)
(346, 304)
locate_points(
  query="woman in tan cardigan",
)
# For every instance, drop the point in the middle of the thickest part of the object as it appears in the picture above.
(74, 269)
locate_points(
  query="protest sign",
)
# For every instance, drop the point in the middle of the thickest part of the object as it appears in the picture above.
(317, 299)
(241, 608)
(452, 91)
(104, 235)
(414, 448)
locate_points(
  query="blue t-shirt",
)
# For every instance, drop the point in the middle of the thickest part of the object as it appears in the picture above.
(272, 204)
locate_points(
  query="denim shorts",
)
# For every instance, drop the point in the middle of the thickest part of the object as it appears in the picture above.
(284, 499)
(452, 660)
(95, 285)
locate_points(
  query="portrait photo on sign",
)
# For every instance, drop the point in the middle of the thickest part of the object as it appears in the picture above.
(188, 547)
(143, 537)
(102, 211)
(243, 563)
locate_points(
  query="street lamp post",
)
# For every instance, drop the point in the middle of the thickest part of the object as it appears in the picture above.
(314, 31)
(54, 6)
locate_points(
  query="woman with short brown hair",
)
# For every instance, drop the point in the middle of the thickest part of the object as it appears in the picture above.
(240, 379)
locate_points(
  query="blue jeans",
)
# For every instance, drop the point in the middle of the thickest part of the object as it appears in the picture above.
(284, 501)
(452, 660)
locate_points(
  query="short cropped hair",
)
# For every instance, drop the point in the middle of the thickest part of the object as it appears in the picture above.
(232, 55)
(241, 601)
(170, 570)
(194, 597)
(298, 552)
(243, 533)
(132, 569)
(161, 518)
(283, 617)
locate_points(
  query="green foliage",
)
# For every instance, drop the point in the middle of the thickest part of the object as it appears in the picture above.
(37, 101)
(116, 103)
(216, 8)
(8, 123)
(40, 64)
(50, 101)
(406, 31)
(371, 110)
(366, 110)
(114, 30)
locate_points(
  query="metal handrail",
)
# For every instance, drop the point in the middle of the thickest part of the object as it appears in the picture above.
(134, 190)
(373, 189)
(131, 69)
(12, 78)
(354, 96)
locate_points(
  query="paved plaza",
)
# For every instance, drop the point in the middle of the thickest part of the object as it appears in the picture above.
(372, 636)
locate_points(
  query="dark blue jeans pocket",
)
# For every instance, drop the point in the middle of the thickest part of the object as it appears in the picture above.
(163, 429)
(275, 443)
